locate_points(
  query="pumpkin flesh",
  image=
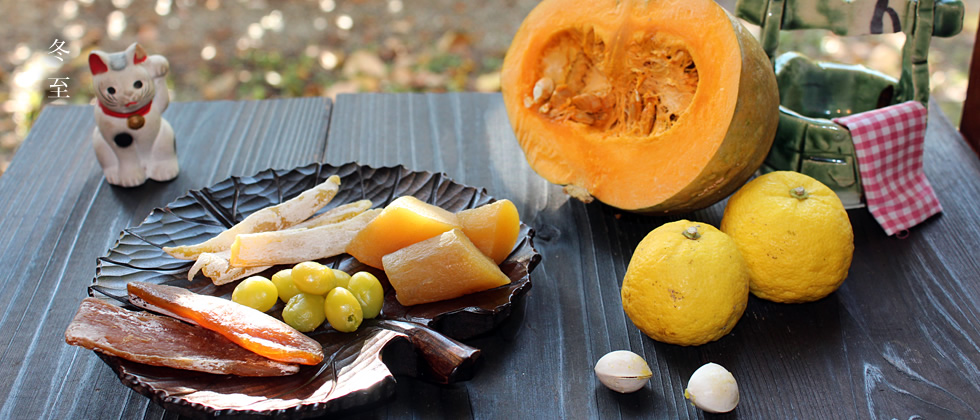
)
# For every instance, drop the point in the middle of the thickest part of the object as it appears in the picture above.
(403, 222)
(649, 106)
(443, 267)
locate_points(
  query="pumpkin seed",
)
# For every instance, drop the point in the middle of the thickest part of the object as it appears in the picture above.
(543, 89)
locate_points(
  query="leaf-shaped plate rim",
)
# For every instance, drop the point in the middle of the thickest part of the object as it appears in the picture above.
(460, 318)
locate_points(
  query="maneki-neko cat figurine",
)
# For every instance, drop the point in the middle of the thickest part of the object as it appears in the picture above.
(132, 140)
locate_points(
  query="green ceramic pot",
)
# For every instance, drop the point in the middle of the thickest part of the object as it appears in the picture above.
(812, 93)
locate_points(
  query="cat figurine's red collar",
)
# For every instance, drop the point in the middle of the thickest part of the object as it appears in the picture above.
(142, 111)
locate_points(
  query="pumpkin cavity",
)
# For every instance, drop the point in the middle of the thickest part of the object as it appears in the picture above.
(641, 89)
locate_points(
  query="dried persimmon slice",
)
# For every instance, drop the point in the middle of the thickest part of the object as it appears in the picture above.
(247, 327)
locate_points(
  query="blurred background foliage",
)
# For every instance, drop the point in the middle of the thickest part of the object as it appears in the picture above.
(257, 49)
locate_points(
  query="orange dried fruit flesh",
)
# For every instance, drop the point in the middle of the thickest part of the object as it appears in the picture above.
(648, 106)
(442, 267)
(245, 326)
(161, 341)
(403, 222)
(493, 228)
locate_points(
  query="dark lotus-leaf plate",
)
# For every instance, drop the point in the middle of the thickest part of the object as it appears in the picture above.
(419, 341)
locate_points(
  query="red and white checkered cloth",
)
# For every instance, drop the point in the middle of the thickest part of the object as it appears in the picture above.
(889, 145)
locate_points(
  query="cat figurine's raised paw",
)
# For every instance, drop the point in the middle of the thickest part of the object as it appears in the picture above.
(132, 140)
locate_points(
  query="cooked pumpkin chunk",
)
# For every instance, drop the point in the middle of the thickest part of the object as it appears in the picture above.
(443, 267)
(493, 228)
(403, 222)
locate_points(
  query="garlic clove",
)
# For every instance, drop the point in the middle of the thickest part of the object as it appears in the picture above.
(712, 388)
(623, 371)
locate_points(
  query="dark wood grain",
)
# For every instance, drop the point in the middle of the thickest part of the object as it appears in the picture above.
(57, 215)
(899, 340)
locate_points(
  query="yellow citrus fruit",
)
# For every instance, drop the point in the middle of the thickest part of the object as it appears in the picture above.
(686, 284)
(794, 234)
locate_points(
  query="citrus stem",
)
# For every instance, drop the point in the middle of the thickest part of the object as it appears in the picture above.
(692, 233)
(799, 193)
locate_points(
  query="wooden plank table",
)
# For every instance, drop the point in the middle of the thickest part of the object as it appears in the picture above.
(900, 339)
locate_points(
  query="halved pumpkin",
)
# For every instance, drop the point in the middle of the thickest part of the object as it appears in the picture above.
(651, 106)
